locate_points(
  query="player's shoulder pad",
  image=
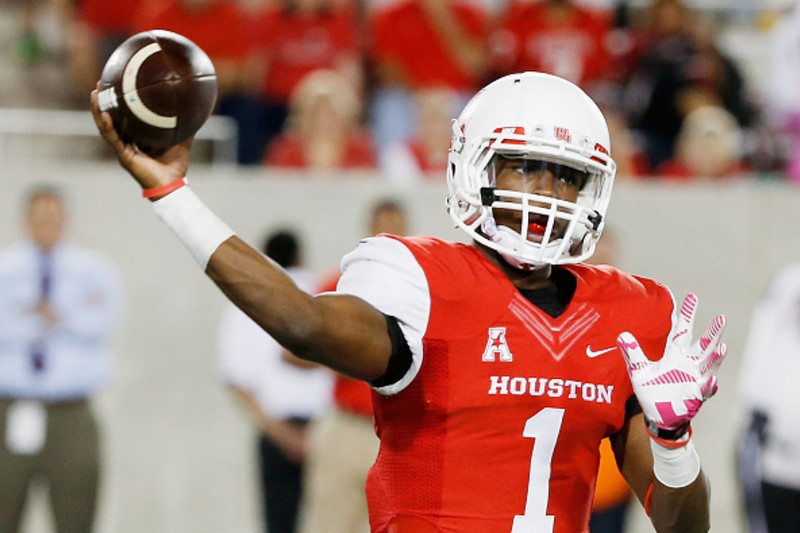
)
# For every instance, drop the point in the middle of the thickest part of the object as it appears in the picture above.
(618, 284)
(384, 272)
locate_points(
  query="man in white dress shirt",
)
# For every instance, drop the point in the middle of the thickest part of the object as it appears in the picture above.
(280, 392)
(769, 452)
(59, 305)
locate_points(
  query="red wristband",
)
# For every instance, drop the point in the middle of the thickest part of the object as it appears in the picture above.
(673, 444)
(164, 189)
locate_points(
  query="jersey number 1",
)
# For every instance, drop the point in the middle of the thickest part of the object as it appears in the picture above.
(544, 426)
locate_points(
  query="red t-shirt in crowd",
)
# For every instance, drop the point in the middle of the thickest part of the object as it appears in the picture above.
(109, 17)
(298, 44)
(574, 47)
(402, 35)
(221, 30)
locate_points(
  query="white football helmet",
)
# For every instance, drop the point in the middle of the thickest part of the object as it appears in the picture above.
(545, 120)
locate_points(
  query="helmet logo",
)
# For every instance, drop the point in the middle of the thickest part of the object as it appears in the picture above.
(562, 134)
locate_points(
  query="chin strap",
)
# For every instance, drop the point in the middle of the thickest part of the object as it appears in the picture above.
(510, 239)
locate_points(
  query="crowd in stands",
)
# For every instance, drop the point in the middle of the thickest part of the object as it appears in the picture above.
(342, 84)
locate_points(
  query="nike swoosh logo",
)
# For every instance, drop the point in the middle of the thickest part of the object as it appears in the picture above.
(592, 354)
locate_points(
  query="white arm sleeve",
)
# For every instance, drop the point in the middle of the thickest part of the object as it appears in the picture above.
(200, 230)
(384, 273)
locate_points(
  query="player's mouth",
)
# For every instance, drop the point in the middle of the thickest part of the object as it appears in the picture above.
(537, 227)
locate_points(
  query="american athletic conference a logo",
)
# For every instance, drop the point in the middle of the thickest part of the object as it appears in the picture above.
(497, 347)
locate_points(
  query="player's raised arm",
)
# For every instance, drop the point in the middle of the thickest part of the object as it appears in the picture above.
(340, 331)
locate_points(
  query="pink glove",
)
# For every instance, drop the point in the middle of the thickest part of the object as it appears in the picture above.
(672, 390)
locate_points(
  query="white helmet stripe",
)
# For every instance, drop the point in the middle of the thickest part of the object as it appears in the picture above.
(131, 95)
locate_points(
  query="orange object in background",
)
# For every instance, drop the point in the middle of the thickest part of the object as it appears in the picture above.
(611, 489)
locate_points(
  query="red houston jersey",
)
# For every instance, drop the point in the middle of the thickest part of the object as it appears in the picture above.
(496, 427)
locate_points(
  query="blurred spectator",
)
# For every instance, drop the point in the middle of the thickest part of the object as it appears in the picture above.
(220, 28)
(293, 39)
(323, 131)
(59, 305)
(280, 392)
(420, 44)
(29, 47)
(663, 48)
(782, 96)
(674, 63)
(555, 36)
(343, 444)
(34, 36)
(631, 160)
(425, 154)
(769, 450)
(99, 27)
(715, 74)
(708, 146)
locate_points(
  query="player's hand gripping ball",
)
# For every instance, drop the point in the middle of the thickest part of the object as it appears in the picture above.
(159, 88)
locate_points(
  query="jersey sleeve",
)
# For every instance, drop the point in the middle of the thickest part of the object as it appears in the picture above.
(384, 273)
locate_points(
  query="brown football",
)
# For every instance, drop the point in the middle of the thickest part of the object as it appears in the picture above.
(159, 88)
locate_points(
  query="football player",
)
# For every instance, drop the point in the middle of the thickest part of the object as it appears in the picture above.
(497, 366)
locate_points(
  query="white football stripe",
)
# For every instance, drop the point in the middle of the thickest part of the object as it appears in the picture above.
(132, 99)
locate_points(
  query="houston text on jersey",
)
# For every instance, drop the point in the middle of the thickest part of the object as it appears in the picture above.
(554, 388)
